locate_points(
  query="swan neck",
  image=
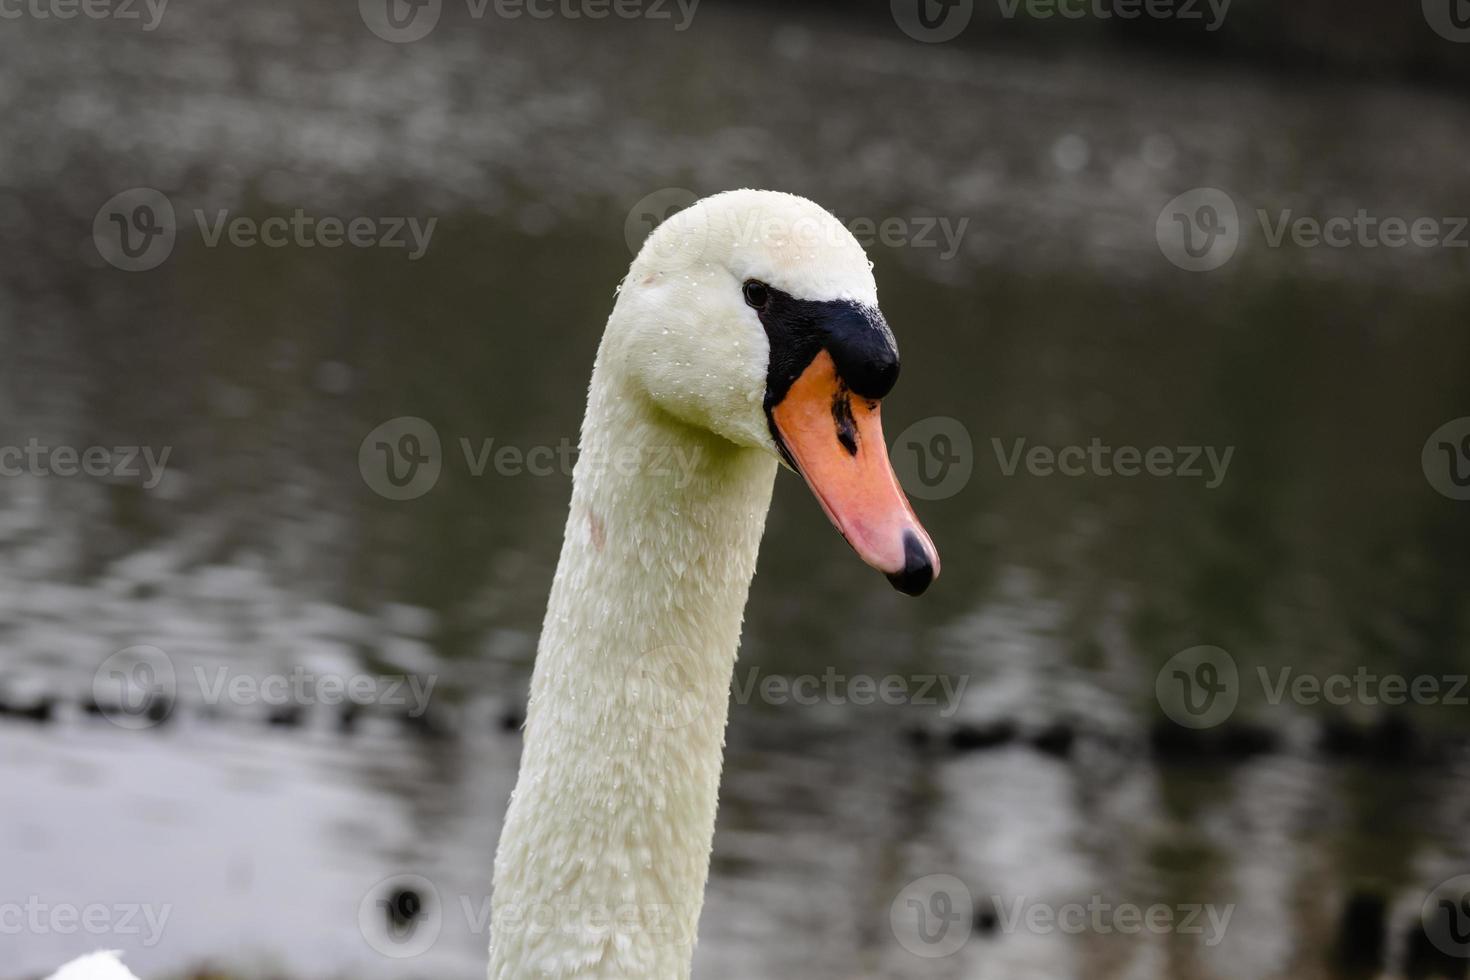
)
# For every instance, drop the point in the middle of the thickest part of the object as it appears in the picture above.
(605, 851)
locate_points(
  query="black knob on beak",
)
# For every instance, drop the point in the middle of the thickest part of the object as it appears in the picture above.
(918, 567)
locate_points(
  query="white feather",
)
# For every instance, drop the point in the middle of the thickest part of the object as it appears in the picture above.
(104, 965)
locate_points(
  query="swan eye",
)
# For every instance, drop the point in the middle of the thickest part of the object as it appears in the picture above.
(756, 293)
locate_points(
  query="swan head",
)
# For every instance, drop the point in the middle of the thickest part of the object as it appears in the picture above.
(754, 315)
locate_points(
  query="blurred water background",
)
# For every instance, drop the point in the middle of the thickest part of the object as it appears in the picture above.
(1056, 320)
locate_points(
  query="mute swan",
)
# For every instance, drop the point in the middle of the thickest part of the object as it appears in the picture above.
(747, 331)
(94, 966)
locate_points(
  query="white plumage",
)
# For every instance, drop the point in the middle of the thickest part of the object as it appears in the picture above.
(602, 862)
(104, 965)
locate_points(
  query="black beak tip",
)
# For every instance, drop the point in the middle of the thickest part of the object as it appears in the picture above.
(918, 568)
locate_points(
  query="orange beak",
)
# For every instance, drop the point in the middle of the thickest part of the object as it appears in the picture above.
(835, 440)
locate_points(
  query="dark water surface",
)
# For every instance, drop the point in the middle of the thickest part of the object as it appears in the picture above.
(1058, 778)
